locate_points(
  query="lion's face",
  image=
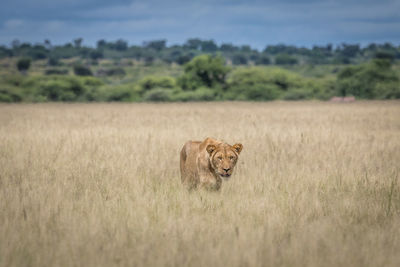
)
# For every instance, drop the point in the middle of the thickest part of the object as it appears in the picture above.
(223, 158)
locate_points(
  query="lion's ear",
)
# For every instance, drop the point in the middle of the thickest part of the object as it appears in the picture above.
(210, 149)
(238, 147)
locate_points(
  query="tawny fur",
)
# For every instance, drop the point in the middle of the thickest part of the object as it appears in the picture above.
(204, 164)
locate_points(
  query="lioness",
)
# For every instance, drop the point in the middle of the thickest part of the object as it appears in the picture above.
(204, 164)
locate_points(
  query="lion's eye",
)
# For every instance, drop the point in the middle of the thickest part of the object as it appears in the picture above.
(219, 158)
(231, 158)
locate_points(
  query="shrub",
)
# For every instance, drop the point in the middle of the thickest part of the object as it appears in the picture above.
(23, 64)
(111, 72)
(56, 71)
(375, 79)
(59, 88)
(91, 81)
(122, 92)
(81, 70)
(151, 82)
(204, 71)
(261, 83)
(285, 59)
(96, 54)
(239, 59)
(323, 89)
(53, 61)
(158, 95)
(183, 59)
(263, 60)
(200, 94)
(382, 54)
(262, 92)
(10, 94)
(298, 94)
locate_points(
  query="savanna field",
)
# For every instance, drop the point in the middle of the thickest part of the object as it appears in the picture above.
(317, 184)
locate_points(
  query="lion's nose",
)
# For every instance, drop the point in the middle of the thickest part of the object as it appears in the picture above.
(226, 170)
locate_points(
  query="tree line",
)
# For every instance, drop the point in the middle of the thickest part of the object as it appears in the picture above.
(154, 50)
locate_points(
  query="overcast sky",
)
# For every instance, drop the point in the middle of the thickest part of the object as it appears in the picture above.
(253, 22)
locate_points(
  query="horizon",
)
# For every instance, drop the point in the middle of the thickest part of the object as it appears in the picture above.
(169, 45)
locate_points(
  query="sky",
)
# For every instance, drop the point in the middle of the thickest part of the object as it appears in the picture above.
(252, 22)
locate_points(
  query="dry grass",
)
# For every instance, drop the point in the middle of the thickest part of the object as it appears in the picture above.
(317, 184)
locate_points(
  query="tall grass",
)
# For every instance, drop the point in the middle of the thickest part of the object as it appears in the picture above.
(317, 184)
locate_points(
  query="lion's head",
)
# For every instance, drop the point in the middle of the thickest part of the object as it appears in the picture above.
(223, 158)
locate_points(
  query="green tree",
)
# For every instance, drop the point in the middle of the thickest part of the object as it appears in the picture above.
(53, 61)
(252, 84)
(285, 59)
(228, 48)
(204, 70)
(239, 58)
(81, 70)
(349, 50)
(96, 54)
(208, 46)
(23, 64)
(5, 52)
(101, 44)
(157, 45)
(194, 44)
(78, 42)
(120, 45)
(158, 95)
(155, 82)
(262, 84)
(375, 79)
(385, 54)
(263, 60)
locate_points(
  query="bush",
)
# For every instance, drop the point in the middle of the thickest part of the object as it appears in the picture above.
(96, 54)
(298, 94)
(260, 92)
(93, 88)
(200, 94)
(56, 72)
(111, 72)
(285, 59)
(53, 61)
(261, 83)
(123, 92)
(59, 88)
(204, 71)
(263, 60)
(81, 70)
(372, 80)
(23, 64)
(10, 94)
(151, 82)
(183, 59)
(91, 82)
(388, 55)
(158, 95)
(323, 89)
(239, 59)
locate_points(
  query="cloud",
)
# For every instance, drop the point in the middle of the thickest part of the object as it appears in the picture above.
(13, 24)
(252, 22)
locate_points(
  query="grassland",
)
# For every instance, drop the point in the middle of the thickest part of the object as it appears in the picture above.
(317, 184)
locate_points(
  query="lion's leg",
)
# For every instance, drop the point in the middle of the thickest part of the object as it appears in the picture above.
(182, 163)
(209, 181)
(211, 186)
